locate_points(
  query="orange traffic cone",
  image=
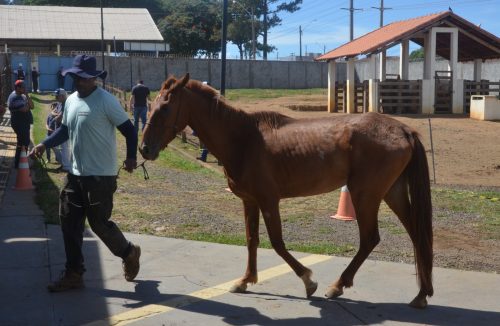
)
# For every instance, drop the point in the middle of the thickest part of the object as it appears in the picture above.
(345, 211)
(23, 178)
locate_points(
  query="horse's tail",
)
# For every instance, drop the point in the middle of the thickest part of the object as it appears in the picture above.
(421, 214)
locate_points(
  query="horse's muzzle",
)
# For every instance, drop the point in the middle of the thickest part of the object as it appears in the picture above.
(146, 152)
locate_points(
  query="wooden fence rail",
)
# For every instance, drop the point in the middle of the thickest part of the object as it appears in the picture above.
(483, 87)
(400, 96)
(360, 97)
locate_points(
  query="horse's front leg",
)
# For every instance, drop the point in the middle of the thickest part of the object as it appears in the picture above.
(273, 224)
(252, 234)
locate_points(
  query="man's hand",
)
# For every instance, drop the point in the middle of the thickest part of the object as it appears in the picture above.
(37, 151)
(130, 164)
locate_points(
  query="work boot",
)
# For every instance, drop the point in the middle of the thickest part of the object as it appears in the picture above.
(69, 280)
(131, 263)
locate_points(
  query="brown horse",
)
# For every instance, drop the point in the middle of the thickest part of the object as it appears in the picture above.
(268, 156)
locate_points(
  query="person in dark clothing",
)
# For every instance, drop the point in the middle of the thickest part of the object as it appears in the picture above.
(20, 72)
(60, 78)
(20, 106)
(139, 104)
(34, 80)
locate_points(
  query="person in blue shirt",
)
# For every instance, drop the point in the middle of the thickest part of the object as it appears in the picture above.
(91, 116)
(20, 106)
(50, 125)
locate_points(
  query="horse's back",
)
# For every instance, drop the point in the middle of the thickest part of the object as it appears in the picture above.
(311, 156)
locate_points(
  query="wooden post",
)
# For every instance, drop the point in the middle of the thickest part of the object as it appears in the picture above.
(351, 87)
(332, 104)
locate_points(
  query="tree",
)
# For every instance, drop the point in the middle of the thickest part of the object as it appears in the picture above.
(273, 20)
(244, 26)
(244, 13)
(192, 27)
(239, 33)
(417, 54)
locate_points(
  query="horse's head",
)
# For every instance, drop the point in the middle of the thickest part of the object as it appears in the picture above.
(166, 118)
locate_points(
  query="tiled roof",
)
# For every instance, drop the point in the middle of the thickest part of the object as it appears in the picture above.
(394, 33)
(76, 23)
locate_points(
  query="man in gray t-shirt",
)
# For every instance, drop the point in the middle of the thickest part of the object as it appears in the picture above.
(90, 118)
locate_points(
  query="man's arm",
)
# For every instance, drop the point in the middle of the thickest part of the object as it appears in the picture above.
(29, 102)
(128, 131)
(58, 137)
(131, 102)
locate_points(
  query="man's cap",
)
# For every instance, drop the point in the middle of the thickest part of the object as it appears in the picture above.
(19, 83)
(60, 91)
(85, 66)
(20, 64)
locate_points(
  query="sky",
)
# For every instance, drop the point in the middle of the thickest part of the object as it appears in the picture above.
(325, 25)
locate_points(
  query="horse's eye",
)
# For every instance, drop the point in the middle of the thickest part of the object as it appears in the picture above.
(164, 109)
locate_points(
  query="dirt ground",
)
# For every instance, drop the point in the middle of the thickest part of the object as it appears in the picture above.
(466, 151)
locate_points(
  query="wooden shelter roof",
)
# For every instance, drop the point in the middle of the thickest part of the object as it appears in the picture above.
(473, 41)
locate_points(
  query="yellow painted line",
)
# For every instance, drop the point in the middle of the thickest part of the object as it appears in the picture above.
(135, 315)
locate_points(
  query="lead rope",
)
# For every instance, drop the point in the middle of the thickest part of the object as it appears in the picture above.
(144, 171)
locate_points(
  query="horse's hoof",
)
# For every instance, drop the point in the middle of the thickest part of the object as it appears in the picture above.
(418, 302)
(311, 288)
(238, 288)
(333, 292)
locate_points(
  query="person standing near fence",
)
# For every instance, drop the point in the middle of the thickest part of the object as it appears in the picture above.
(50, 125)
(20, 106)
(139, 104)
(20, 72)
(57, 112)
(34, 80)
(91, 116)
(60, 78)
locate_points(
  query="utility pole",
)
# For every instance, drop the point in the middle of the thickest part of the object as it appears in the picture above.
(381, 8)
(102, 43)
(351, 18)
(382, 54)
(264, 27)
(253, 33)
(223, 49)
(300, 42)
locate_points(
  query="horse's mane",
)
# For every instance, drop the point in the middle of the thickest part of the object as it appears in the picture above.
(269, 118)
(222, 108)
(168, 83)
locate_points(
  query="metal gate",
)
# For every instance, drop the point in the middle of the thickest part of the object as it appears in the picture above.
(443, 91)
(48, 67)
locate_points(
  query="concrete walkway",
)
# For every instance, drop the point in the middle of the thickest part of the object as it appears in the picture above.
(185, 283)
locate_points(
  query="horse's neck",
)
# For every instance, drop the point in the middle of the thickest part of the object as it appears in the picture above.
(216, 125)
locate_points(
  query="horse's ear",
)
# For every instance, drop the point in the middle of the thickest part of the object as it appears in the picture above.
(184, 80)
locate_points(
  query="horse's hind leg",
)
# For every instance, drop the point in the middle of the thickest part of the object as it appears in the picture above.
(366, 206)
(252, 234)
(397, 199)
(273, 224)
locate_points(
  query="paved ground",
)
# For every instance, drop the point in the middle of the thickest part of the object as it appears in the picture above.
(185, 283)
